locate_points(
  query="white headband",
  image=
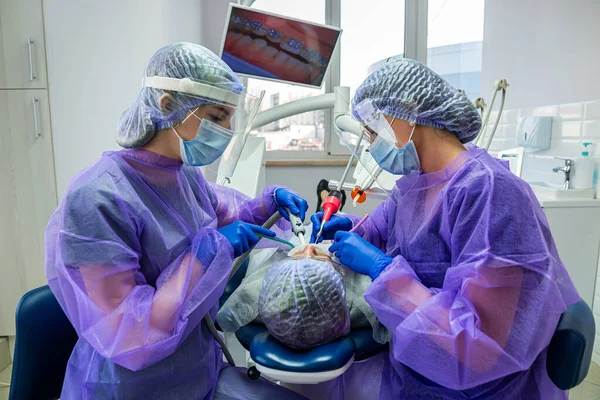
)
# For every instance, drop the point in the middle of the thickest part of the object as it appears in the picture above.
(186, 85)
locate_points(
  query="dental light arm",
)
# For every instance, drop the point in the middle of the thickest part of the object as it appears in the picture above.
(346, 123)
(499, 85)
(339, 100)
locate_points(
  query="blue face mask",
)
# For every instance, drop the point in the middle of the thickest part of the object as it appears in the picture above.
(209, 144)
(395, 160)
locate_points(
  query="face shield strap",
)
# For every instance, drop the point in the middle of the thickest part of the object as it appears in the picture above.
(190, 87)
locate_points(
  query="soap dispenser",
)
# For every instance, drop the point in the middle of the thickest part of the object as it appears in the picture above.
(583, 176)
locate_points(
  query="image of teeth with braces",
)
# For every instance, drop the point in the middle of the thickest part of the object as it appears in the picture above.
(274, 47)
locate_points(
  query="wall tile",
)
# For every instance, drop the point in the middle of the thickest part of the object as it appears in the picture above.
(571, 129)
(556, 127)
(571, 124)
(499, 131)
(509, 131)
(566, 147)
(571, 111)
(546, 111)
(510, 142)
(591, 129)
(510, 116)
(525, 112)
(498, 144)
(592, 110)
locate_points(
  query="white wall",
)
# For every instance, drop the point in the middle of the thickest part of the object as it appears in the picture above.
(547, 50)
(213, 22)
(97, 52)
(571, 124)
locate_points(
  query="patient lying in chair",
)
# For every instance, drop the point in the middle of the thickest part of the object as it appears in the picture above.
(303, 300)
(304, 297)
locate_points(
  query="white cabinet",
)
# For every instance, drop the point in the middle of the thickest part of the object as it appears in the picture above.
(22, 51)
(575, 228)
(28, 195)
(27, 181)
(576, 232)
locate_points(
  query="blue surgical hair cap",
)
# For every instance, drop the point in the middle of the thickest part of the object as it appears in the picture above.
(145, 117)
(408, 90)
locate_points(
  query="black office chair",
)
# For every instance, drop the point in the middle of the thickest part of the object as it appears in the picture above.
(45, 340)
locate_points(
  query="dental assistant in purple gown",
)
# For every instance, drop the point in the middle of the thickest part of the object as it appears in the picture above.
(141, 247)
(465, 272)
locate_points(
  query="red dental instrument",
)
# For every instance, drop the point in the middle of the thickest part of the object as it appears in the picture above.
(331, 205)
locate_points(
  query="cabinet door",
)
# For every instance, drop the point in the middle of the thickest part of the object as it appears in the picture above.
(22, 48)
(577, 237)
(28, 196)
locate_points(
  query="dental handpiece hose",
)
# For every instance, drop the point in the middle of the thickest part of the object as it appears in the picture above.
(237, 263)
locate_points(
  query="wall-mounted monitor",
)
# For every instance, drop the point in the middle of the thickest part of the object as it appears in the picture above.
(263, 45)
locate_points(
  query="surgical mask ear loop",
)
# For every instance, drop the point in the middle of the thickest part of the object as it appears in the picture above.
(412, 132)
(185, 119)
(176, 134)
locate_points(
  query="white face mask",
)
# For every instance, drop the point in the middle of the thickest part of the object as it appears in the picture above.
(207, 146)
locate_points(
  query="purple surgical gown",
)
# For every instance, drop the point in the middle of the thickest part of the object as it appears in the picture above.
(121, 260)
(476, 286)
(473, 295)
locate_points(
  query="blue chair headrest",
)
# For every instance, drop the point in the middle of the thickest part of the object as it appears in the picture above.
(44, 342)
(269, 352)
(570, 351)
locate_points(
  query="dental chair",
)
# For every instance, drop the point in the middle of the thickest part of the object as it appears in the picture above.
(45, 339)
(281, 363)
(568, 362)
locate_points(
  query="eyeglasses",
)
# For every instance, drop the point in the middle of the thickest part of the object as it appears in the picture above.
(369, 134)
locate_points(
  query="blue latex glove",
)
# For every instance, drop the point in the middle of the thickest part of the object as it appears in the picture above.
(359, 255)
(296, 204)
(242, 236)
(335, 223)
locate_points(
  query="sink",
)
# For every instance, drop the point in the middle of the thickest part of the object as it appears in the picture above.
(555, 192)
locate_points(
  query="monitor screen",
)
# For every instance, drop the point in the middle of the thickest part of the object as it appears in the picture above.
(269, 46)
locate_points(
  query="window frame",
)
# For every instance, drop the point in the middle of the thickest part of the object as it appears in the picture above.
(415, 47)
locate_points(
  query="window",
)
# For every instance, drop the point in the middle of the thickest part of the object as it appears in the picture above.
(373, 31)
(455, 42)
(304, 132)
(365, 44)
(447, 35)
